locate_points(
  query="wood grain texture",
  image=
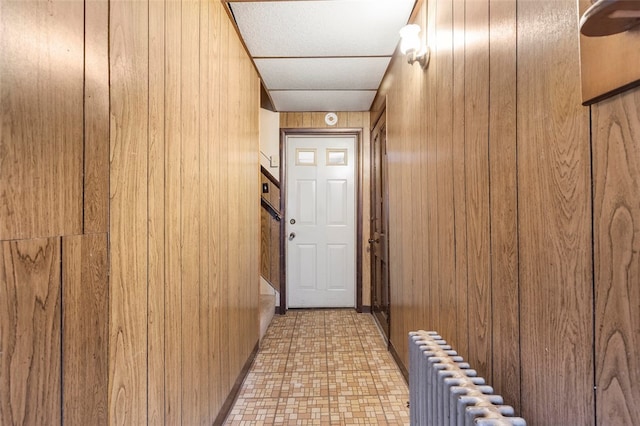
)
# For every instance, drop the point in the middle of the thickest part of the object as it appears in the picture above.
(217, 373)
(503, 198)
(191, 346)
(96, 117)
(616, 147)
(41, 118)
(554, 219)
(225, 378)
(85, 329)
(156, 176)
(173, 214)
(461, 340)
(128, 37)
(443, 20)
(30, 332)
(203, 203)
(477, 184)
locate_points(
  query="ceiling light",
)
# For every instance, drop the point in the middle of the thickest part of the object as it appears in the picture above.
(412, 47)
(608, 17)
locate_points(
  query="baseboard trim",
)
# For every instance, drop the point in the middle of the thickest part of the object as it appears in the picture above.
(235, 390)
(398, 360)
(364, 309)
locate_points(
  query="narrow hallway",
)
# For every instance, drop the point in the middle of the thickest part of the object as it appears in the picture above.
(322, 367)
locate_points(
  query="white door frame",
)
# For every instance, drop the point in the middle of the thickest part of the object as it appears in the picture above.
(284, 134)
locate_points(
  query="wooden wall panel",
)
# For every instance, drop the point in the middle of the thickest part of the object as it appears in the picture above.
(85, 325)
(522, 309)
(129, 64)
(233, 204)
(192, 336)
(554, 218)
(203, 203)
(461, 339)
(616, 170)
(443, 21)
(156, 176)
(30, 332)
(156, 81)
(226, 378)
(41, 113)
(173, 218)
(477, 184)
(504, 202)
(218, 375)
(96, 117)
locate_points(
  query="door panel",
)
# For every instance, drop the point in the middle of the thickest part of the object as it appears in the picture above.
(379, 225)
(321, 221)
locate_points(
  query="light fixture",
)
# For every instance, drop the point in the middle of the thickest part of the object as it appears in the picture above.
(608, 17)
(411, 45)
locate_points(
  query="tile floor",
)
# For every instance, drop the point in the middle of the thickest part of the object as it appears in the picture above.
(322, 367)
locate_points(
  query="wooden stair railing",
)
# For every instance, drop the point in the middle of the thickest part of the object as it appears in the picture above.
(271, 225)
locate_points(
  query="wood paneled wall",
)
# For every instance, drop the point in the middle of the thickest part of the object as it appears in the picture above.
(350, 120)
(129, 217)
(185, 215)
(54, 177)
(514, 210)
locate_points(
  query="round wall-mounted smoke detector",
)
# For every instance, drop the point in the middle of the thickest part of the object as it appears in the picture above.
(331, 119)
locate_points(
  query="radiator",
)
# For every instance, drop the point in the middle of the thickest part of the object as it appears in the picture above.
(445, 391)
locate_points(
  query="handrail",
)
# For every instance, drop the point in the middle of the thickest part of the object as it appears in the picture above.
(270, 209)
(269, 176)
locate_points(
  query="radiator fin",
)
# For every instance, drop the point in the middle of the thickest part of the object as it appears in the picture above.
(445, 391)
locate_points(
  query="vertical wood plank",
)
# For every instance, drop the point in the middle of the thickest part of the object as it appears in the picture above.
(461, 340)
(477, 183)
(192, 401)
(218, 376)
(353, 119)
(554, 220)
(41, 118)
(96, 117)
(129, 35)
(444, 166)
(504, 229)
(30, 332)
(362, 121)
(85, 331)
(317, 120)
(227, 378)
(202, 201)
(616, 147)
(173, 218)
(233, 203)
(156, 216)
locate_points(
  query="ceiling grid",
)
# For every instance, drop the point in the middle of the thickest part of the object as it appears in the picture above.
(321, 55)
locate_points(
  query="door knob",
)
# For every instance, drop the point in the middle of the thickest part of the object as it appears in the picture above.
(292, 236)
(371, 240)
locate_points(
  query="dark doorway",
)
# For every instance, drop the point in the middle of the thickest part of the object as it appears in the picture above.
(379, 227)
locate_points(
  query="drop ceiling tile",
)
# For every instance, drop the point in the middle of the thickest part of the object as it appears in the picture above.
(322, 100)
(322, 73)
(321, 28)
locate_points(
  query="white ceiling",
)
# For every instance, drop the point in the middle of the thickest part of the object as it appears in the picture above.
(321, 55)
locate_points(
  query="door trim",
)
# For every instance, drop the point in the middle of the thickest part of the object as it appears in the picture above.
(284, 133)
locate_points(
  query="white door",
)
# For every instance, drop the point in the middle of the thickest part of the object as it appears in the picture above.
(320, 221)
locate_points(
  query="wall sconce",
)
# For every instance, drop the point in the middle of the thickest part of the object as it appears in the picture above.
(411, 46)
(608, 17)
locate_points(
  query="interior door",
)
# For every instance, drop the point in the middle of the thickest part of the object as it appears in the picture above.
(379, 227)
(320, 221)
